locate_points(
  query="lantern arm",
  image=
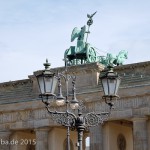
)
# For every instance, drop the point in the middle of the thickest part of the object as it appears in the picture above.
(64, 118)
(47, 102)
(109, 101)
(93, 119)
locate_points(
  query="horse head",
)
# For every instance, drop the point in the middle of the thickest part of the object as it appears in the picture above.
(122, 55)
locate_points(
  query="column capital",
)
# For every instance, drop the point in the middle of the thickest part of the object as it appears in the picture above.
(137, 119)
(5, 133)
(43, 129)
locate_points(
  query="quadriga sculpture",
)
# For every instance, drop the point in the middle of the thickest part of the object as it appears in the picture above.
(83, 52)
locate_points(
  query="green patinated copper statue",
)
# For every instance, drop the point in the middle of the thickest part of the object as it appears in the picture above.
(83, 52)
(111, 59)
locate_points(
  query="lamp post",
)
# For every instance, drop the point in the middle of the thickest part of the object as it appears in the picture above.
(48, 81)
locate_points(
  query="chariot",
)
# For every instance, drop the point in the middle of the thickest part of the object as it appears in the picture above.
(83, 52)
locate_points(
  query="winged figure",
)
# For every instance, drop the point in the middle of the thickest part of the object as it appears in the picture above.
(78, 33)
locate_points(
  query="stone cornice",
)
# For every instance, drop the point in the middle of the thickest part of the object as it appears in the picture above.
(84, 93)
(132, 66)
(79, 68)
(15, 83)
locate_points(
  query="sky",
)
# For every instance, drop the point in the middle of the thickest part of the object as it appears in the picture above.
(33, 30)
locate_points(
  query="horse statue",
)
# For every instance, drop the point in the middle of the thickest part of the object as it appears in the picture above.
(121, 57)
(111, 59)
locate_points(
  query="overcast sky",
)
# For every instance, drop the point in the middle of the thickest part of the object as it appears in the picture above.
(33, 30)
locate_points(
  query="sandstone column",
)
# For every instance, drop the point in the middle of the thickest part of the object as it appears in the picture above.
(140, 137)
(4, 140)
(96, 138)
(42, 138)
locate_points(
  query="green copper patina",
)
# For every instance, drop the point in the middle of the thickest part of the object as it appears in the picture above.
(111, 59)
(83, 52)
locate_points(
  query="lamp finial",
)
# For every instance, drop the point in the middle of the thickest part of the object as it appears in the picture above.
(47, 65)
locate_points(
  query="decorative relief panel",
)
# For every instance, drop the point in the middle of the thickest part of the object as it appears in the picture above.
(134, 102)
(23, 115)
(41, 114)
(6, 117)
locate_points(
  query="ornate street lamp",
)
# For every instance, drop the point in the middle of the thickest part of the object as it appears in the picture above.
(110, 82)
(47, 82)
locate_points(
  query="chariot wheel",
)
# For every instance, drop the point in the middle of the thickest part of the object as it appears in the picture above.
(91, 55)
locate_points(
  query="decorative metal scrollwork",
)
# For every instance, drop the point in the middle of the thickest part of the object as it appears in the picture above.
(81, 106)
(64, 119)
(93, 119)
(104, 116)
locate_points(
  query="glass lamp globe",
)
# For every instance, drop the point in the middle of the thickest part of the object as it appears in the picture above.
(74, 105)
(60, 102)
(110, 83)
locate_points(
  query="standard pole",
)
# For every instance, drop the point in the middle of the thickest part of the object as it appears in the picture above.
(80, 138)
(67, 107)
(68, 139)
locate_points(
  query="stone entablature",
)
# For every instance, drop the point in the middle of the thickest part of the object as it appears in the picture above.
(129, 105)
(21, 108)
